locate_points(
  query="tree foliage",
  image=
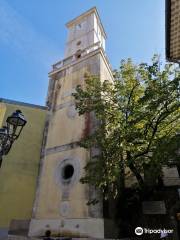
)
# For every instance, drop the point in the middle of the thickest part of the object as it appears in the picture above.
(138, 121)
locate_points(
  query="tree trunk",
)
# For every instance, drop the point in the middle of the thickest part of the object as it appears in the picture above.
(135, 171)
(137, 174)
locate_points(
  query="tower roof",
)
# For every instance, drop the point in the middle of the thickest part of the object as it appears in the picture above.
(83, 15)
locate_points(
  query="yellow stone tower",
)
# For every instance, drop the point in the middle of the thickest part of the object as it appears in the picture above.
(61, 200)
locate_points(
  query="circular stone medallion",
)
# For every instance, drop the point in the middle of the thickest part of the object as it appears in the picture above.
(64, 209)
(71, 112)
(67, 173)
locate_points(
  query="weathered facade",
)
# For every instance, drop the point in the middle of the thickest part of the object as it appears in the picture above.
(171, 175)
(173, 30)
(53, 198)
(19, 168)
(61, 200)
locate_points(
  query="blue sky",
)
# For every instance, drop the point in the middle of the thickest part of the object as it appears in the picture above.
(33, 36)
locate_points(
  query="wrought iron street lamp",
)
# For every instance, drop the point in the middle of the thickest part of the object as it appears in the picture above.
(11, 132)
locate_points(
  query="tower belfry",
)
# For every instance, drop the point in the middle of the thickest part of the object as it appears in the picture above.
(61, 200)
(84, 31)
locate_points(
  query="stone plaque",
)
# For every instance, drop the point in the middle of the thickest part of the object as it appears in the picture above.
(154, 207)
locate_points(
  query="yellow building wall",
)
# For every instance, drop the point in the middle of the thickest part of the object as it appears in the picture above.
(18, 174)
(2, 112)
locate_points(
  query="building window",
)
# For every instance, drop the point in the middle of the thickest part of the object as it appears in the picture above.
(67, 172)
(78, 54)
(78, 43)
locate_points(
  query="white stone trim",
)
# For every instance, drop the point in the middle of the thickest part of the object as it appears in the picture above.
(79, 227)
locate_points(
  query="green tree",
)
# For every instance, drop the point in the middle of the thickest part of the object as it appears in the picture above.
(137, 123)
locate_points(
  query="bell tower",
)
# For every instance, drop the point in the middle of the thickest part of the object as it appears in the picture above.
(83, 32)
(61, 200)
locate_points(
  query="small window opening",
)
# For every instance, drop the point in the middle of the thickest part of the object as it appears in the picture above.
(67, 172)
(78, 43)
(78, 54)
